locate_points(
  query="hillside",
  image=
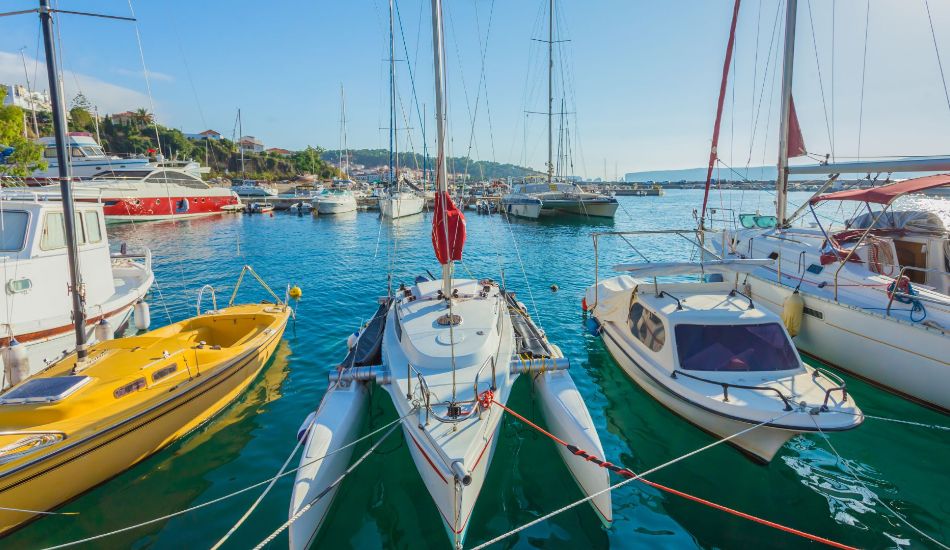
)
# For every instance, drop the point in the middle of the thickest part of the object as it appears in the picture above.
(477, 169)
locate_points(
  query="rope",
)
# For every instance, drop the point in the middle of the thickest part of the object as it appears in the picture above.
(628, 480)
(267, 489)
(225, 497)
(872, 493)
(487, 399)
(323, 493)
(898, 421)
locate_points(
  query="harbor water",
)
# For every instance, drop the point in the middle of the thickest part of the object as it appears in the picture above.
(342, 264)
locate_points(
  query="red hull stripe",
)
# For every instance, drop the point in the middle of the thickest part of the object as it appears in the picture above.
(429, 460)
(164, 206)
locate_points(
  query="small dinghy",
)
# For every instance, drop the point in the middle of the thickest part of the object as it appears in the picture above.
(80, 423)
(706, 352)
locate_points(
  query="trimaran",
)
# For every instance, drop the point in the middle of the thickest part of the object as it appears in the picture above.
(446, 351)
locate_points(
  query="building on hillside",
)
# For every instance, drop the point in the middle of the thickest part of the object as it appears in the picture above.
(123, 119)
(19, 96)
(207, 134)
(250, 144)
(281, 152)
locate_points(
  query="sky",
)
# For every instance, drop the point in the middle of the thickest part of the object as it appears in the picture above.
(639, 79)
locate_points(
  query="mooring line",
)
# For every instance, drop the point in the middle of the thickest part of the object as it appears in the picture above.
(224, 497)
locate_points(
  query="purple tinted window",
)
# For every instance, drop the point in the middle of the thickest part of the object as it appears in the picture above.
(734, 348)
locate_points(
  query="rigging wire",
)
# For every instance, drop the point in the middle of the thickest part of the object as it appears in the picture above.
(864, 69)
(821, 85)
(933, 35)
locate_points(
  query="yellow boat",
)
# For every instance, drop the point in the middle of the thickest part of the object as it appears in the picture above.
(75, 426)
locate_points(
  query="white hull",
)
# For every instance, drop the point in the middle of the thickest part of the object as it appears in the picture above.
(336, 207)
(580, 208)
(522, 210)
(911, 361)
(762, 443)
(567, 417)
(400, 206)
(337, 423)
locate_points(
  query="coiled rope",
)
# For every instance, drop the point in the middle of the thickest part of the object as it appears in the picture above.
(487, 399)
(227, 496)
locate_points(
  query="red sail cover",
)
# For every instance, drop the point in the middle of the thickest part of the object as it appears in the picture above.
(886, 194)
(796, 143)
(448, 229)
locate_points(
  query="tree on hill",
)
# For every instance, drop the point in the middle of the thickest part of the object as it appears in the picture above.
(27, 155)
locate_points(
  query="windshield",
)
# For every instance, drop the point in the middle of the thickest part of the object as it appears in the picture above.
(732, 348)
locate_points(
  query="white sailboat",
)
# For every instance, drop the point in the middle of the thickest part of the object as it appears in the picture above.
(704, 351)
(447, 352)
(875, 291)
(397, 200)
(555, 198)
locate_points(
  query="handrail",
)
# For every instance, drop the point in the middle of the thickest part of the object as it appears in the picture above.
(725, 387)
(214, 299)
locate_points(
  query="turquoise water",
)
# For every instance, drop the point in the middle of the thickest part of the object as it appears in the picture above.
(341, 264)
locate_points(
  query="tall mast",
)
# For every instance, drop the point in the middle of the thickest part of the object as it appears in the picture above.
(393, 138)
(441, 173)
(550, 91)
(788, 64)
(69, 212)
(240, 146)
(425, 152)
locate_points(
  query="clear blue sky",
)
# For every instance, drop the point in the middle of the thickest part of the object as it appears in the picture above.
(642, 76)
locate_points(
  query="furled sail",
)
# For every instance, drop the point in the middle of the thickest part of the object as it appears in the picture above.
(448, 229)
(796, 143)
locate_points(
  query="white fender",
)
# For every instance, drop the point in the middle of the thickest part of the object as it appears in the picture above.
(141, 315)
(567, 417)
(337, 422)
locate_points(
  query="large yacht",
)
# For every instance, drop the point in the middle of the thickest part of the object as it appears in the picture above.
(557, 198)
(86, 159)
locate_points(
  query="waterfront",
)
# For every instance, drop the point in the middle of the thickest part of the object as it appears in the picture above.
(342, 262)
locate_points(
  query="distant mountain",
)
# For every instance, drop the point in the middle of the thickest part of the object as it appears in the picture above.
(753, 173)
(477, 169)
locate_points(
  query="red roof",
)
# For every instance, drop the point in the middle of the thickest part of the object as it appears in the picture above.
(886, 194)
(209, 133)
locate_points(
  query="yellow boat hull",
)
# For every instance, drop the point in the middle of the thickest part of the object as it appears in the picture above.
(80, 463)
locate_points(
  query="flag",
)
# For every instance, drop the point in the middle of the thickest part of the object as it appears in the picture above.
(448, 229)
(796, 143)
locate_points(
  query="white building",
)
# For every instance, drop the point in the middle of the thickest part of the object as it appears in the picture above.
(19, 96)
(250, 144)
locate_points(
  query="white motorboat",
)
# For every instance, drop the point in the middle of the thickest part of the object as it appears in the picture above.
(335, 201)
(706, 352)
(35, 312)
(875, 291)
(448, 353)
(252, 189)
(86, 159)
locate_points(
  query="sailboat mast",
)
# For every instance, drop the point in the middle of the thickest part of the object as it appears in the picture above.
(550, 91)
(240, 146)
(65, 186)
(441, 174)
(788, 64)
(346, 150)
(393, 138)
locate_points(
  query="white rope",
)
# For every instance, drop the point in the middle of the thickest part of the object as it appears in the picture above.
(626, 481)
(338, 480)
(225, 497)
(908, 422)
(267, 489)
(872, 493)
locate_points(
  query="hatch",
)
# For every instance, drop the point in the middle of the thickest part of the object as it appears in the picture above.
(44, 390)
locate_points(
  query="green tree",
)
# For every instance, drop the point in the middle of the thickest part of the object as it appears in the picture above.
(27, 155)
(81, 120)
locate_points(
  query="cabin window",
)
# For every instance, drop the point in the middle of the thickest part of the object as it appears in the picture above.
(734, 348)
(13, 227)
(93, 229)
(76, 152)
(647, 327)
(131, 387)
(164, 372)
(49, 153)
(54, 232)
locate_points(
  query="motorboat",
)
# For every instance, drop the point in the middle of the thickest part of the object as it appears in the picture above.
(447, 352)
(876, 291)
(252, 189)
(259, 208)
(706, 352)
(34, 311)
(559, 198)
(300, 207)
(165, 192)
(80, 423)
(86, 159)
(334, 201)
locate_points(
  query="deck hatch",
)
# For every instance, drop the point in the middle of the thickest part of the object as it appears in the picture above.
(44, 390)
